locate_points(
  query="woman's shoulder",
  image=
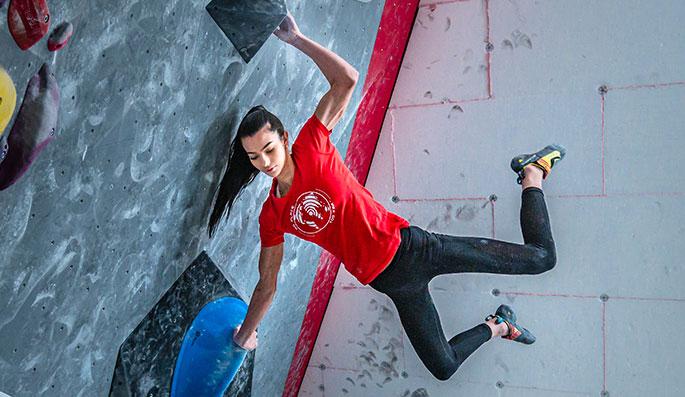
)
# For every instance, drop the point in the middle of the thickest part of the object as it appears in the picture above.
(314, 135)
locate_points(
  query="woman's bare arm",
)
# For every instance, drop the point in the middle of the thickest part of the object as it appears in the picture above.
(270, 259)
(341, 75)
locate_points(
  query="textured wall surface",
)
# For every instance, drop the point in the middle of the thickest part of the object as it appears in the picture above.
(607, 80)
(115, 208)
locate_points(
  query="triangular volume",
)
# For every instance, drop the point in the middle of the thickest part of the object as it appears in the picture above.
(247, 23)
(148, 357)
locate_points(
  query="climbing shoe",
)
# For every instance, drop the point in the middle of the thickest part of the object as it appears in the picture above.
(504, 314)
(543, 159)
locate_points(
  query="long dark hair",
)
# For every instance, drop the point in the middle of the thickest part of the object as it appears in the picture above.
(239, 170)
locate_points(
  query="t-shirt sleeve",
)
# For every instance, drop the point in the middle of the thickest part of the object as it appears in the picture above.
(314, 135)
(268, 233)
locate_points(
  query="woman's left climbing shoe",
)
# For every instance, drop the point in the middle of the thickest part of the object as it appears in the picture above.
(505, 314)
(543, 159)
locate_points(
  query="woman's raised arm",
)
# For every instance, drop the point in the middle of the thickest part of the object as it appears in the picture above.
(341, 75)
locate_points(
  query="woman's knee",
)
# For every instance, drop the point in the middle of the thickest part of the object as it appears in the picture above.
(443, 373)
(544, 260)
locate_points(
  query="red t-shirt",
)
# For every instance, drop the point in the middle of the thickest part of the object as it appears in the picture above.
(327, 206)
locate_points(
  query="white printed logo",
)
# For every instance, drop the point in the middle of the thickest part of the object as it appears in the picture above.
(312, 212)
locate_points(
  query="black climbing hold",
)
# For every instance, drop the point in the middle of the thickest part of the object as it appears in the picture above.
(604, 297)
(489, 47)
(247, 23)
(395, 199)
(495, 292)
(603, 89)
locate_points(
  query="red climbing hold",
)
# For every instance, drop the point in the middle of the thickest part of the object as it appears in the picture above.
(28, 21)
(60, 36)
(34, 127)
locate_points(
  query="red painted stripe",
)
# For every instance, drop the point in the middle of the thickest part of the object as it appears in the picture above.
(393, 35)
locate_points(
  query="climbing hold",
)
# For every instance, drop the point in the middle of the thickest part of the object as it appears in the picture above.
(28, 21)
(247, 23)
(34, 127)
(8, 99)
(60, 36)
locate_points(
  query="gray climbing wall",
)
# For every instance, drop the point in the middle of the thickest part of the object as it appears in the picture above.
(607, 80)
(115, 208)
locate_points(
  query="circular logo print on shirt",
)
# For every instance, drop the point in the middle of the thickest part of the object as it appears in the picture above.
(312, 212)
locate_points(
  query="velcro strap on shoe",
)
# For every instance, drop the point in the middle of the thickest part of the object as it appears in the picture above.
(544, 165)
(513, 332)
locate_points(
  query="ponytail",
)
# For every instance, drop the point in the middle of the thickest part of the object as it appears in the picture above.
(239, 170)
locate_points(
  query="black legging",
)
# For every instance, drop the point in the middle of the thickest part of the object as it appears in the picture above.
(423, 255)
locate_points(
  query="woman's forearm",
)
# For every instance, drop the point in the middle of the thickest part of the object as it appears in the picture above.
(334, 68)
(259, 306)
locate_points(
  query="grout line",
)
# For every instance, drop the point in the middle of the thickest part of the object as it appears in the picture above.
(444, 102)
(640, 86)
(335, 368)
(604, 347)
(578, 196)
(488, 54)
(638, 194)
(392, 144)
(556, 295)
(604, 189)
(443, 2)
(635, 298)
(413, 200)
(549, 295)
(545, 389)
(493, 217)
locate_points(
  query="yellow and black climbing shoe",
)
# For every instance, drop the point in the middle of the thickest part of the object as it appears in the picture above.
(505, 314)
(543, 159)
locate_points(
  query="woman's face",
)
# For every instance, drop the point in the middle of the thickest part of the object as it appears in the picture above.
(266, 150)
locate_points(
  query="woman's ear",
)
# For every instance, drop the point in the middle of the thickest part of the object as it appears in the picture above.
(285, 138)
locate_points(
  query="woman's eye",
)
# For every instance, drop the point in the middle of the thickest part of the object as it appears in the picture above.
(270, 150)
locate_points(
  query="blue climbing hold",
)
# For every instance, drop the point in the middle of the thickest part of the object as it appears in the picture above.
(209, 360)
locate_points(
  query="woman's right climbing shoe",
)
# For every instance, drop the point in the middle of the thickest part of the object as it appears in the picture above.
(543, 159)
(505, 314)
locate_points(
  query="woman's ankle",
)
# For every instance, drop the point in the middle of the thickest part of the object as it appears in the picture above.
(500, 329)
(533, 177)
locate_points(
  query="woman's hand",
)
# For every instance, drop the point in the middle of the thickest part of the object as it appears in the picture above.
(288, 30)
(249, 344)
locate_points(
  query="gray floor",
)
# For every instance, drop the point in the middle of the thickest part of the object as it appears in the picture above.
(608, 317)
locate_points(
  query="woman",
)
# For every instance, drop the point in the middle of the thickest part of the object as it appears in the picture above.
(315, 197)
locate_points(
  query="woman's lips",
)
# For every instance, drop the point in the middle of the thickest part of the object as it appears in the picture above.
(271, 169)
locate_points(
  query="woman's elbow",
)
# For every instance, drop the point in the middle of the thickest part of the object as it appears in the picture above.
(350, 79)
(355, 76)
